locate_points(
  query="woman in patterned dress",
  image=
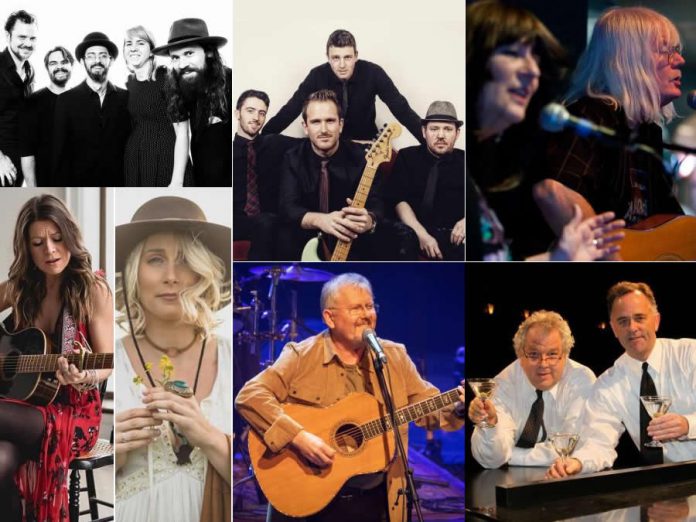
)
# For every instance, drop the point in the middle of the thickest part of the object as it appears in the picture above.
(52, 287)
(157, 151)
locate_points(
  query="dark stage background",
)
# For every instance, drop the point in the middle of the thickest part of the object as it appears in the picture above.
(577, 291)
(422, 306)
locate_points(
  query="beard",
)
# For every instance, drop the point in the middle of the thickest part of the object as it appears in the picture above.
(97, 76)
(191, 87)
(56, 81)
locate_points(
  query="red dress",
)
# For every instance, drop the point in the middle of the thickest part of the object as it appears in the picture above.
(71, 424)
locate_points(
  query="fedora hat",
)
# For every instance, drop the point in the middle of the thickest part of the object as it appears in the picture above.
(95, 38)
(188, 31)
(172, 214)
(441, 111)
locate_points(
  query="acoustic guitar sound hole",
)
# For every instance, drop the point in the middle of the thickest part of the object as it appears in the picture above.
(8, 365)
(348, 438)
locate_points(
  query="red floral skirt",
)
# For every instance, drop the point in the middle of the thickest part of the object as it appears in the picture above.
(71, 428)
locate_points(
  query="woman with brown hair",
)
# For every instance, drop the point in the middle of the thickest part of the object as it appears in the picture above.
(52, 287)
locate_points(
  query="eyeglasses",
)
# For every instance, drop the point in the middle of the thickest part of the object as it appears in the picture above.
(671, 51)
(355, 311)
(551, 358)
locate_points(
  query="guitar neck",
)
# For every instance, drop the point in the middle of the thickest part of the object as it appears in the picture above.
(342, 248)
(409, 413)
(49, 363)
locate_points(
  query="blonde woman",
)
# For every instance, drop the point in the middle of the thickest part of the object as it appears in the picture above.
(626, 80)
(157, 149)
(173, 403)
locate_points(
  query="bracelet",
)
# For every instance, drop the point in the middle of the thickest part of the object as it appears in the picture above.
(91, 382)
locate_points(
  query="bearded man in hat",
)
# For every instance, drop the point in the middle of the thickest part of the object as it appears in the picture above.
(200, 88)
(16, 84)
(426, 186)
(91, 122)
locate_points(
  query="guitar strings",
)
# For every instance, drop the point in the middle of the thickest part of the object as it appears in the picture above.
(30, 361)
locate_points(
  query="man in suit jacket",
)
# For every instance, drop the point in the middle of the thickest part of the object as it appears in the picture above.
(91, 122)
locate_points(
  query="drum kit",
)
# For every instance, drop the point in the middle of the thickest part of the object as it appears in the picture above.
(249, 317)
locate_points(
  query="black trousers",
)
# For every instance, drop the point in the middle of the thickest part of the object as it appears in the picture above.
(349, 505)
(261, 231)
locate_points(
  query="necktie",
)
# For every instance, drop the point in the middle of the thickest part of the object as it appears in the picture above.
(647, 387)
(344, 99)
(430, 189)
(324, 187)
(252, 207)
(535, 421)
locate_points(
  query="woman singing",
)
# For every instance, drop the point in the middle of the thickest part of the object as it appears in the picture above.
(52, 287)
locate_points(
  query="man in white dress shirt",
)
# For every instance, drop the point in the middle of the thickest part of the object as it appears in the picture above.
(542, 384)
(614, 406)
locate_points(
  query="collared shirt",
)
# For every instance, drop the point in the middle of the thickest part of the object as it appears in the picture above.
(270, 150)
(368, 80)
(513, 398)
(614, 407)
(299, 183)
(409, 177)
(311, 373)
(89, 137)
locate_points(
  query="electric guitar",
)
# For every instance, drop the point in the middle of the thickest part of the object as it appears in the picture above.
(27, 370)
(662, 237)
(379, 152)
(360, 431)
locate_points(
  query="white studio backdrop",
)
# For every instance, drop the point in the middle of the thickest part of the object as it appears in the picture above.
(66, 23)
(420, 45)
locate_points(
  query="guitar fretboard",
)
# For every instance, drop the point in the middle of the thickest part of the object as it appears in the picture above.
(49, 363)
(377, 427)
(342, 248)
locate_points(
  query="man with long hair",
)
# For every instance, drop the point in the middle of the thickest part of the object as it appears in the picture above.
(199, 88)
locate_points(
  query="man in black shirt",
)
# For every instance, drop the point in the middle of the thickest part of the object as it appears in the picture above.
(318, 178)
(256, 175)
(355, 84)
(91, 122)
(426, 185)
(199, 88)
(36, 124)
(16, 79)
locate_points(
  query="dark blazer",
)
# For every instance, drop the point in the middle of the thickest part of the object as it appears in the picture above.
(368, 80)
(88, 138)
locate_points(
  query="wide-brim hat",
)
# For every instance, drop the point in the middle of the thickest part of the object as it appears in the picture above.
(442, 111)
(95, 38)
(173, 214)
(189, 31)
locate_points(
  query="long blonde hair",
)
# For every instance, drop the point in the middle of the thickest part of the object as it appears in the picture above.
(619, 63)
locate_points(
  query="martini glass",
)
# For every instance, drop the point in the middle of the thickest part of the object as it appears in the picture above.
(656, 406)
(564, 444)
(483, 389)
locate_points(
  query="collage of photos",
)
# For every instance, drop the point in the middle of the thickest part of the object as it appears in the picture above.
(251, 261)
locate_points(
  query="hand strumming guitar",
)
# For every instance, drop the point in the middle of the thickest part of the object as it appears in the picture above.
(314, 449)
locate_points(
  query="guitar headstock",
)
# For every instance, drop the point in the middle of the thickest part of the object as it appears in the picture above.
(381, 149)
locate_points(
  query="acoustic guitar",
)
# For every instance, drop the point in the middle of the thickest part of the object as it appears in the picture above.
(360, 431)
(379, 152)
(662, 237)
(27, 370)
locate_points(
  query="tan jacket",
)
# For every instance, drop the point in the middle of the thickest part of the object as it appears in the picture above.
(310, 373)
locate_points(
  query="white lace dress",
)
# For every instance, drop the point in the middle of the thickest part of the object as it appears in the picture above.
(150, 486)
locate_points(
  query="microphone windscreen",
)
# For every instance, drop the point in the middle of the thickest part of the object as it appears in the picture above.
(691, 99)
(553, 117)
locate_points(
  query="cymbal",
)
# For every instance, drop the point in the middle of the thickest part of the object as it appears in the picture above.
(293, 273)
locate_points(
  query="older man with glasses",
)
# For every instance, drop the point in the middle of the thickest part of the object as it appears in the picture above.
(542, 391)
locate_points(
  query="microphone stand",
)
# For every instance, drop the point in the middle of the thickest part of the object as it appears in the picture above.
(410, 491)
(679, 148)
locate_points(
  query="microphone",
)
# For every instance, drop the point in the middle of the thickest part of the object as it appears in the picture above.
(555, 117)
(370, 339)
(691, 99)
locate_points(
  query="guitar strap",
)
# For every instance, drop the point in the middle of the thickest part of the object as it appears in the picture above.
(68, 331)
